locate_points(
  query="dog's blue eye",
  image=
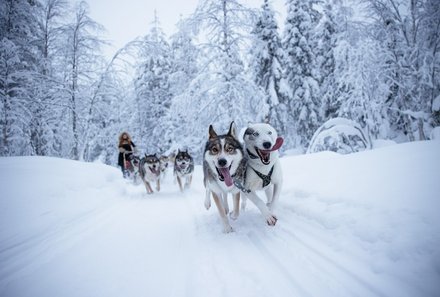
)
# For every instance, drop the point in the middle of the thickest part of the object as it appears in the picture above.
(270, 132)
(255, 134)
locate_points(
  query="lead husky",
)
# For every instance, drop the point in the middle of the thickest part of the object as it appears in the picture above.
(263, 168)
(149, 170)
(223, 167)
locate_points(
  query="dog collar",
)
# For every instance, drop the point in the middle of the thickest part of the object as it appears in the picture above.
(266, 178)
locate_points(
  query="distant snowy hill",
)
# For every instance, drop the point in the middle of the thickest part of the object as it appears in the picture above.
(364, 224)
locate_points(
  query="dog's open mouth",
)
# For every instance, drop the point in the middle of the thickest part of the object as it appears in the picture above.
(224, 175)
(265, 154)
(154, 170)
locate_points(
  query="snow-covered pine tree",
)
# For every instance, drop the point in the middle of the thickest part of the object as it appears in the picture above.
(325, 41)
(152, 87)
(304, 102)
(184, 69)
(266, 66)
(184, 54)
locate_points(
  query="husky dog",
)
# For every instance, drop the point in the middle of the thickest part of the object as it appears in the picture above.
(223, 168)
(149, 169)
(263, 168)
(183, 169)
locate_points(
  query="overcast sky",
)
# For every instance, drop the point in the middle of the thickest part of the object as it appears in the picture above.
(124, 20)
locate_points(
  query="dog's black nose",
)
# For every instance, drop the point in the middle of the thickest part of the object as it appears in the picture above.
(267, 145)
(222, 162)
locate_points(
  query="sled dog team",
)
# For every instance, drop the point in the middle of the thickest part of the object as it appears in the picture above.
(229, 168)
(151, 169)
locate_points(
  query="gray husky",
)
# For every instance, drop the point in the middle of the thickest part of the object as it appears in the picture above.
(149, 170)
(223, 169)
(263, 168)
(183, 169)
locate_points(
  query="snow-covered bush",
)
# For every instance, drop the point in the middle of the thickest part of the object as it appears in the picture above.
(339, 135)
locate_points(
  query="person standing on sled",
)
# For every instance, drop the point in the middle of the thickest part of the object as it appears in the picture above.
(126, 150)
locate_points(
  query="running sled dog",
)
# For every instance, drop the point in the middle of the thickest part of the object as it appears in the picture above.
(183, 169)
(223, 168)
(263, 171)
(149, 171)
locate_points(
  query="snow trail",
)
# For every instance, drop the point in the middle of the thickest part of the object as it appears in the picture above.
(88, 232)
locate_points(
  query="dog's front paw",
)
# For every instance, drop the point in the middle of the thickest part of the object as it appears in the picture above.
(271, 220)
(234, 215)
(228, 229)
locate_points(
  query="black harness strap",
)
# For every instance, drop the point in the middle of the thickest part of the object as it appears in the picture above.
(266, 178)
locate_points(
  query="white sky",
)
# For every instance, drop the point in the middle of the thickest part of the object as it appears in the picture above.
(125, 20)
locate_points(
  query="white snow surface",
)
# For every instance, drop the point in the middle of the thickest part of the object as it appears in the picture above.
(364, 224)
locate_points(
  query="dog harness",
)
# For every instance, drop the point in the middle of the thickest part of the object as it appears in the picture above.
(266, 178)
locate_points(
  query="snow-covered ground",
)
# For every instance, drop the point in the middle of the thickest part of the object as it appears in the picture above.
(365, 224)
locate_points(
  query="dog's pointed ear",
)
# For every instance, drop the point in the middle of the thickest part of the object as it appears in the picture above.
(212, 133)
(232, 130)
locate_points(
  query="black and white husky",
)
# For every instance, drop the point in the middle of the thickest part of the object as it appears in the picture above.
(149, 170)
(223, 168)
(263, 170)
(183, 169)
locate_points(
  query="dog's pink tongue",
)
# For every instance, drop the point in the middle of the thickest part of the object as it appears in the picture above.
(227, 176)
(278, 144)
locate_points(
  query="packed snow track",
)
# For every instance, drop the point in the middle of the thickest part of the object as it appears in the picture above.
(348, 226)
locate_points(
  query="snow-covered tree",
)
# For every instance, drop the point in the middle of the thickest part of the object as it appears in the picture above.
(431, 27)
(361, 86)
(18, 62)
(266, 66)
(45, 120)
(325, 39)
(304, 102)
(153, 93)
(184, 54)
(82, 58)
(402, 28)
(221, 92)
